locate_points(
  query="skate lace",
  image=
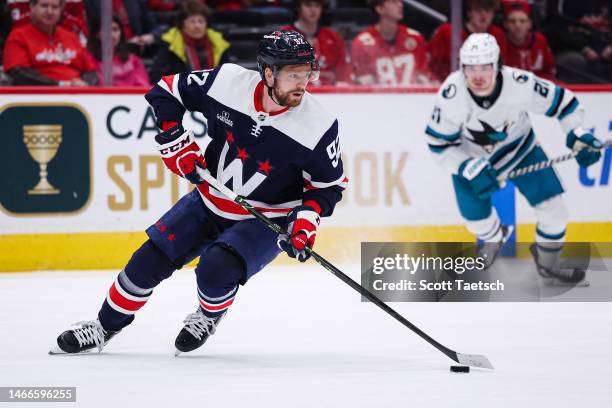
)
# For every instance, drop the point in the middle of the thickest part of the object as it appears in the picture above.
(197, 324)
(89, 332)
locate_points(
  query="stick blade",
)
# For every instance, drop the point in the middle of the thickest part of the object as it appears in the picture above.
(474, 360)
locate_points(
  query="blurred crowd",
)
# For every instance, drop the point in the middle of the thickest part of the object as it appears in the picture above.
(367, 42)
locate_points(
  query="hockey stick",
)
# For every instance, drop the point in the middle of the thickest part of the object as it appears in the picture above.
(473, 360)
(546, 164)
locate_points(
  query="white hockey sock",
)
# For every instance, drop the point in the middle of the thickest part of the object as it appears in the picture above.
(549, 246)
(487, 229)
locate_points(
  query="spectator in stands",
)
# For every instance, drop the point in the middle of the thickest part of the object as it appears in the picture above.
(73, 16)
(525, 49)
(43, 53)
(136, 21)
(584, 41)
(478, 19)
(329, 46)
(190, 45)
(128, 69)
(388, 53)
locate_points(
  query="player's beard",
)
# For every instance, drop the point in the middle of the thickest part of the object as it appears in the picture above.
(287, 98)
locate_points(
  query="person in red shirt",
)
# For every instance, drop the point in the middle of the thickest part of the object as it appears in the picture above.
(329, 46)
(526, 49)
(73, 16)
(388, 53)
(43, 53)
(479, 19)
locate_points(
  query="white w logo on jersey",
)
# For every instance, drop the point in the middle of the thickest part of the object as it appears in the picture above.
(234, 171)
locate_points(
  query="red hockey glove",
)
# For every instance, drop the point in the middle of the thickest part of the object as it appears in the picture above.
(303, 222)
(180, 153)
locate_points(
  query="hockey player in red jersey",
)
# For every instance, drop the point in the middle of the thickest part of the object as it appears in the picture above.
(329, 46)
(526, 49)
(479, 19)
(388, 53)
(269, 141)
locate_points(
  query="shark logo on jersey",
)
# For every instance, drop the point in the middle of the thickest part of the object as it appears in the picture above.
(450, 91)
(519, 77)
(489, 135)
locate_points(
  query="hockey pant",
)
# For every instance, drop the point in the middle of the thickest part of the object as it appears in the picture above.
(543, 191)
(230, 253)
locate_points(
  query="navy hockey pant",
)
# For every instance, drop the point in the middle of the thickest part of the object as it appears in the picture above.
(230, 253)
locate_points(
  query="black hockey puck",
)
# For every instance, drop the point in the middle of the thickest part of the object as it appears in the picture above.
(460, 369)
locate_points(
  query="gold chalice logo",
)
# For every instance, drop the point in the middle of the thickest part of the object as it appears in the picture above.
(42, 142)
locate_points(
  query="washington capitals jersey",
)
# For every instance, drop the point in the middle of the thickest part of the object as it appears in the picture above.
(459, 128)
(276, 161)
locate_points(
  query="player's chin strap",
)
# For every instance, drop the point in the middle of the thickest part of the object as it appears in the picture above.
(473, 360)
(546, 163)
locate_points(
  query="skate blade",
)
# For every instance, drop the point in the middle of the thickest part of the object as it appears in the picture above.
(553, 282)
(56, 351)
(177, 353)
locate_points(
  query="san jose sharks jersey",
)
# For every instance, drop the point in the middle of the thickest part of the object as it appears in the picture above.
(460, 128)
(276, 161)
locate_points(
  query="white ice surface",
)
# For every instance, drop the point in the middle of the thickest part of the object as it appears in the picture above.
(299, 337)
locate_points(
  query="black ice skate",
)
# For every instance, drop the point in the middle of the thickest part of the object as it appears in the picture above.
(82, 337)
(561, 275)
(490, 250)
(198, 328)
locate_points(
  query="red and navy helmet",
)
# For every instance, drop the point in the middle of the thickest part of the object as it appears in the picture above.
(284, 47)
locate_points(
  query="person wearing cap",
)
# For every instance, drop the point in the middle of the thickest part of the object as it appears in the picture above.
(269, 141)
(526, 49)
(480, 131)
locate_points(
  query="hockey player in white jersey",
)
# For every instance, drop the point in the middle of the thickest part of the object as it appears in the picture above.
(479, 131)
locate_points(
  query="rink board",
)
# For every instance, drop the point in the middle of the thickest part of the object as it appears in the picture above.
(112, 184)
